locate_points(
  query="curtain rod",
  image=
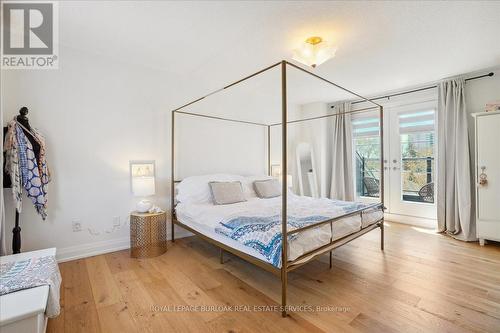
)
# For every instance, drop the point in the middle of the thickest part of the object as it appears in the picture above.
(421, 89)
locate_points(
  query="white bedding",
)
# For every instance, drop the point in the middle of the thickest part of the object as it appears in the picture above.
(206, 217)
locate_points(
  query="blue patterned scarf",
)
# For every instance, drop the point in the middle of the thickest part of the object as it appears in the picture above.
(34, 184)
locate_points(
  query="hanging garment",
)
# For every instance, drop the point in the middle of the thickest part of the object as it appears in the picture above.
(23, 159)
(42, 159)
(25, 169)
(35, 187)
(43, 169)
(12, 164)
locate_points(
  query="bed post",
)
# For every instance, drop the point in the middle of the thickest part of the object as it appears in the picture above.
(381, 108)
(284, 162)
(269, 150)
(172, 176)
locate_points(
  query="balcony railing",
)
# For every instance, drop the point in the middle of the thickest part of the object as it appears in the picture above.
(368, 178)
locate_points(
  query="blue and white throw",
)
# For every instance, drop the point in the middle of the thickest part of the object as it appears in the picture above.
(31, 273)
(263, 233)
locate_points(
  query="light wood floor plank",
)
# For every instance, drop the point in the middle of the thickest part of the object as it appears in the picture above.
(80, 313)
(116, 318)
(103, 285)
(138, 300)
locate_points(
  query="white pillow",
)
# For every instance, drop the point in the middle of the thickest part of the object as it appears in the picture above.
(267, 189)
(248, 187)
(195, 190)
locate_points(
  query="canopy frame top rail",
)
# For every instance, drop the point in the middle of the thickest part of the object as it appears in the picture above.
(179, 109)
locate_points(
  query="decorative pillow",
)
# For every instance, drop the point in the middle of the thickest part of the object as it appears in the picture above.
(248, 187)
(195, 189)
(224, 193)
(266, 189)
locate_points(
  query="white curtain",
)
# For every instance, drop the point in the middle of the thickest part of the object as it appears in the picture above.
(342, 185)
(454, 190)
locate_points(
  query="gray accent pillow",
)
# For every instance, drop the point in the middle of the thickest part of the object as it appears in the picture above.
(224, 193)
(269, 188)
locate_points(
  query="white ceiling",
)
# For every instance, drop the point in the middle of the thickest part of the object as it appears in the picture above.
(202, 46)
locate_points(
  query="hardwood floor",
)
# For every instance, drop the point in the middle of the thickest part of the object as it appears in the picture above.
(422, 282)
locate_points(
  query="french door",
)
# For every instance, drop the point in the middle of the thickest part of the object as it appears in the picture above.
(409, 162)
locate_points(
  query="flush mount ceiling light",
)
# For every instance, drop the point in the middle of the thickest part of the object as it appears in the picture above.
(314, 51)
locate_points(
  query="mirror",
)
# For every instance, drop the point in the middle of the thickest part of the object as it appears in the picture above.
(306, 170)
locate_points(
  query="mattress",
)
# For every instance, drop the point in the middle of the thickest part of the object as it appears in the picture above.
(206, 218)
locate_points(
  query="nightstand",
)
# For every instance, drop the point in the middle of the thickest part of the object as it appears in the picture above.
(148, 234)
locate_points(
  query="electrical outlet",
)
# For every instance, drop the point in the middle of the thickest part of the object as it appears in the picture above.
(116, 221)
(77, 225)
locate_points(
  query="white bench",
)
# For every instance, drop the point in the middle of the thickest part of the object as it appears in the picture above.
(24, 310)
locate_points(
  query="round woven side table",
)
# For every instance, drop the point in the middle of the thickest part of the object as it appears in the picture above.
(148, 234)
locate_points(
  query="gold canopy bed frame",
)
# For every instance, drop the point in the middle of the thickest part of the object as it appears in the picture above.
(286, 265)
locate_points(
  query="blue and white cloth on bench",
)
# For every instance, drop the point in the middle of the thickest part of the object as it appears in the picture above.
(31, 273)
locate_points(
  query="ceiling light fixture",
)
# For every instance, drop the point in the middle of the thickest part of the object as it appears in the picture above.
(314, 51)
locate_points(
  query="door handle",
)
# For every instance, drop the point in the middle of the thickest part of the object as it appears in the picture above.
(483, 177)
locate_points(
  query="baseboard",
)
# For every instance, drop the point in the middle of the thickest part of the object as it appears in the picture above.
(412, 220)
(93, 249)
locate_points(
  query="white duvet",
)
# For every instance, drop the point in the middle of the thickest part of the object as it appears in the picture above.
(206, 217)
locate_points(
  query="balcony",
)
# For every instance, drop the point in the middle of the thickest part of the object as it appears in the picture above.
(417, 178)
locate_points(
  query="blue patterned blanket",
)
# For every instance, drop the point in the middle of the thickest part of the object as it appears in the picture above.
(263, 233)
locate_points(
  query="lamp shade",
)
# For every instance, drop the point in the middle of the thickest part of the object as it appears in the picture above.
(142, 175)
(143, 186)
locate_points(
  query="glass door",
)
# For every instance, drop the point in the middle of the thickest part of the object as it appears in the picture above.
(409, 161)
(412, 164)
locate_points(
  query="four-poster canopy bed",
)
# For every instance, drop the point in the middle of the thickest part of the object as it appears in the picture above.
(286, 264)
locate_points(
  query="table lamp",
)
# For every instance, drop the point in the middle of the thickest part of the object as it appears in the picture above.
(142, 175)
